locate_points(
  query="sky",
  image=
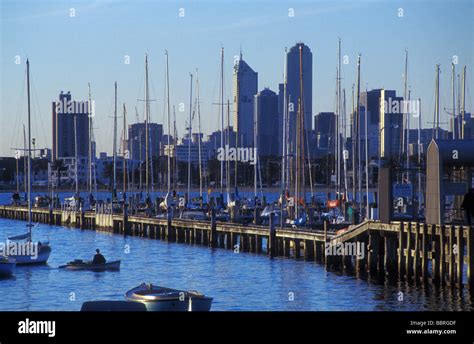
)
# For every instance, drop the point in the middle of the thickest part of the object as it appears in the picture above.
(67, 52)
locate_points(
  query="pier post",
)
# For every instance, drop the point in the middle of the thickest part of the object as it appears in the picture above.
(451, 255)
(169, 228)
(213, 238)
(325, 258)
(459, 255)
(297, 248)
(442, 254)
(272, 240)
(401, 251)
(125, 220)
(424, 251)
(308, 250)
(408, 253)
(435, 254)
(470, 257)
(416, 255)
(372, 251)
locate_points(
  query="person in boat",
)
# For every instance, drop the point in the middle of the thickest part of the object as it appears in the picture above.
(468, 205)
(98, 258)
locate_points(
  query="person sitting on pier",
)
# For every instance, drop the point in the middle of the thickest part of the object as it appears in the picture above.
(468, 205)
(98, 258)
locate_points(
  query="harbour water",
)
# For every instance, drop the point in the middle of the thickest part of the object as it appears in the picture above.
(237, 281)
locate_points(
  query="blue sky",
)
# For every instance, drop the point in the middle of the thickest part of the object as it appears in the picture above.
(66, 53)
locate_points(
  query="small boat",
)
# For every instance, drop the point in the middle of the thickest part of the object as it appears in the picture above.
(7, 265)
(113, 306)
(79, 264)
(158, 299)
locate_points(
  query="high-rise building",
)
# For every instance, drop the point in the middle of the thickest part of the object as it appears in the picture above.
(293, 88)
(70, 119)
(266, 118)
(245, 86)
(137, 140)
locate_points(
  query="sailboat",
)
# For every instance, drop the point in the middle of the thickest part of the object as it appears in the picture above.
(28, 252)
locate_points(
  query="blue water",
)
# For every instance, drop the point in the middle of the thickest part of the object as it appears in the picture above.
(237, 281)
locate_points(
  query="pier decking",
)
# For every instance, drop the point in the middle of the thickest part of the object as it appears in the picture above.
(409, 251)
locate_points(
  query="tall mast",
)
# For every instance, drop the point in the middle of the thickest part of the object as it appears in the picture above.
(419, 157)
(124, 162)
(114, 195)
(353, 138)
(359, 172)
(199, 137)
(25, 163)
(190, 132)
(367, 210)
(147, 119)
(76, 156)
(337, 121)
(169, 120)
(463, 100)
(344, 140)
(228, 144)
(90, 140)
(175, 142)
(29, 144)
(456, 133)
(407, 116)
(222, 118)
(283, 137)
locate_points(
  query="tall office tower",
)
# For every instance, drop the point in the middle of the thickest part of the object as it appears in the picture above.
(245, 85)
(293, 88)
(266, 116)
(65, 112)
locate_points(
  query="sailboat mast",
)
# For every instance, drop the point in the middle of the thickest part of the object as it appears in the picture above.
(338, 121)
(29, 144)
(190, 132)
(147, 119)
(407, 115)
(344, 140)
(199, 137)
(419, 157)
(228, 144)
(168, 120)
(354, 142)
(114, 195)
(359, 167)
(283, 140)
(456, 133)
(124, 162)
(25, 163)
(405, 140)
(222, 118)
(175, 142)
(463, 100)
(90, 140)
(76, 157)
(367, 210)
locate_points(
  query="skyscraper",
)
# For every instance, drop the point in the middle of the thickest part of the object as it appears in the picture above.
(293, 88)
(65, 111)
(245, 86)
(266, 115)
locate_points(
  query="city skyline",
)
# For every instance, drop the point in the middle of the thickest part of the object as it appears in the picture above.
(90, 58)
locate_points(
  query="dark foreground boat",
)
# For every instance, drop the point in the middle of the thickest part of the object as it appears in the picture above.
(79, 264)
(158, 299)
(7, 265)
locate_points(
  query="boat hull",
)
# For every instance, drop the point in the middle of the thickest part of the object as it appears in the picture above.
(161, 299)
(115, 265)
(7, 266)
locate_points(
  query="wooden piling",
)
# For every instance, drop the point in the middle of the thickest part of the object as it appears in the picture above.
(459, 255)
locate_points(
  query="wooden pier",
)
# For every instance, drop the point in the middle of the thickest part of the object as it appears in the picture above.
(408, 251)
